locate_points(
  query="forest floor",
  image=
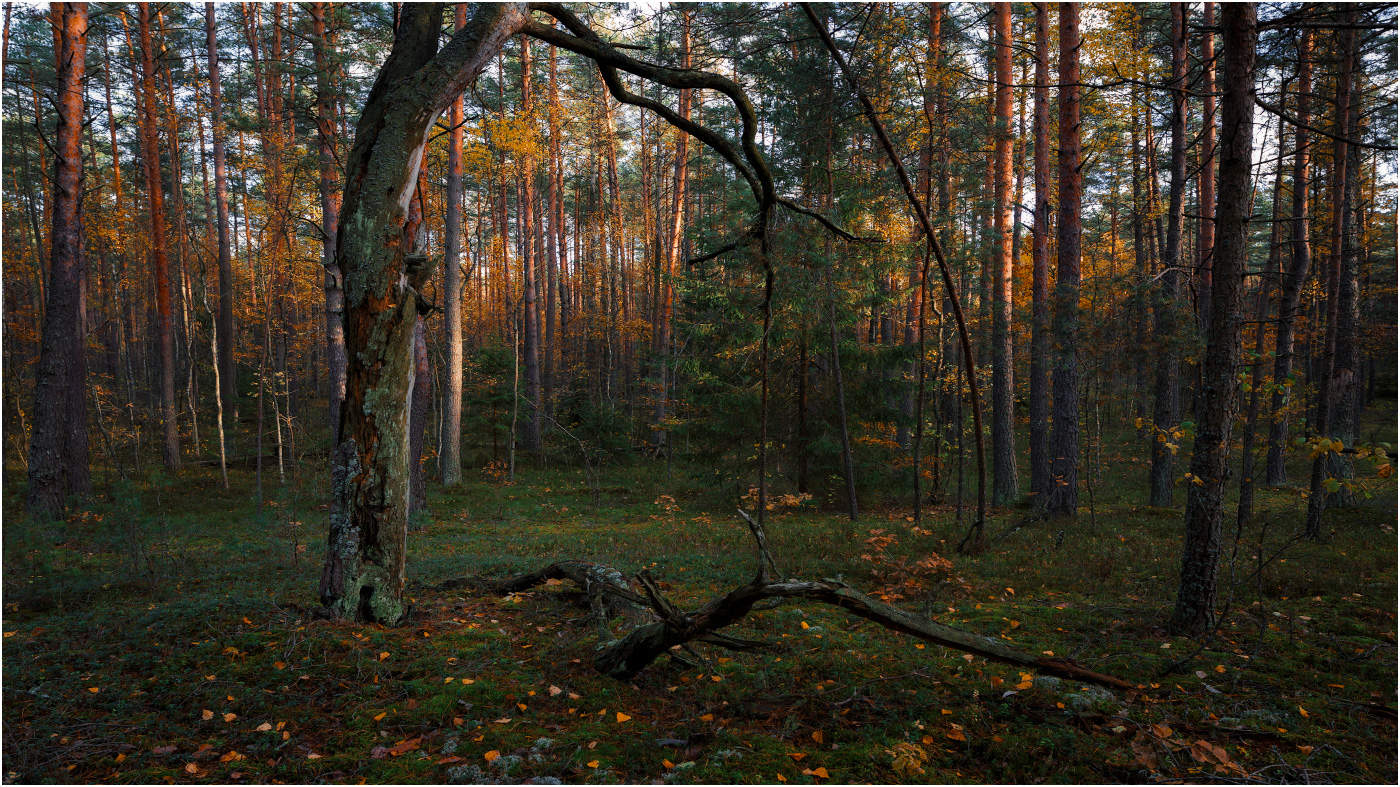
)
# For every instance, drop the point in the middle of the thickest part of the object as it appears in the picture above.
(164, 635)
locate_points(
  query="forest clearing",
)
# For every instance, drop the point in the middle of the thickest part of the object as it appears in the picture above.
(699, 393)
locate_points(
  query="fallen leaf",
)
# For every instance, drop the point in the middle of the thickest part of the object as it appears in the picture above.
(667, 763)
(191, 768)
(206, 714)
(593, 763)
(820, 773)
(232, 756)
(264, 727)
(797, 756)
(1305, 749)
(707, 717)
(1161, 731)
(817, 736)
(94, 689)
(555, 691)
(621, 717)
(381, 715)
(1303, 711)
(491, 756)
(229, 717)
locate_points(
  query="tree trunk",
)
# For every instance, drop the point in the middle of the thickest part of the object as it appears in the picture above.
(363, 576)
(530, 332)
(1166, 412)
(58, 451)
(450, 446)
(323, 45)
(1296, 276)
(150, 152)
(422, 403)
(1206, 177)
(1332, 387)
(1062, 497)
(1004, 486)
(1040, 265)
(1216, 399)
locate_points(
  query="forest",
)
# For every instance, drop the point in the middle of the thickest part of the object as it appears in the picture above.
(552, 393)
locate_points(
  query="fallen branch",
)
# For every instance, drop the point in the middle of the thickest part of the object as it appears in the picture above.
(669, 628)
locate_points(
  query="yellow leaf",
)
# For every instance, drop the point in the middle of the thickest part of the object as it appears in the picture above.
(804, 625)
(380, 716)
(520, 705)
(1303, 711)
(820, 773)
(206, 714)
(383, 654)
(781, 778)
(491, 755)
(621, 717)
(667, 763)
(467, 681)
(955, 735)
(229, 717)
(1023, 685)
(796, 756)
(93, 689)
(817, 736)
(707, 717)
(593, 763)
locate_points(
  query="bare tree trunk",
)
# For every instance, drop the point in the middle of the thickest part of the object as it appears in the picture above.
(450, 446)
(1216, 400)
(58, 451)
(1004, 486)
(1166, 413)
(1063, 492)
(170, 446)
(1040, 266)
(422, 402)
(530, 305)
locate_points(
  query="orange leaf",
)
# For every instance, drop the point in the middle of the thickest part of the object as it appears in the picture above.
(817, 736)
(206, 714)
(707, 717)
(491, 756)
(797, 756)
(1161, 731)
(667, 763)
(621, 717)
(593, 763)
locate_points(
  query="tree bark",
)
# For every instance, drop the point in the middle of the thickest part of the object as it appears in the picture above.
(150, 152)
(530, 332)
(333, 278)
(363, 576)
(1216, 400)
(58, 451)
(450, 447)
(1040, 266)
(1206, 177)
(1004, 485)
(1062, 497)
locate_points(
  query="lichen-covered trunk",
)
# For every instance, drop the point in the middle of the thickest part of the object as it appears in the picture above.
(363, 576)
(1217, 397)
(58, 452)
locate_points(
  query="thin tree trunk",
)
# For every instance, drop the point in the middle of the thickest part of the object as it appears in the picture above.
(530, 333)
(674, 231)
(1206, 177)
(333, 277)
(1166, 413)
(1004, 485)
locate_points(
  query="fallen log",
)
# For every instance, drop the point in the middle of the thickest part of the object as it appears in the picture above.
(670, 628)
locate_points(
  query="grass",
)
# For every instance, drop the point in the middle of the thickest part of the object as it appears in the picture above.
(133, 628)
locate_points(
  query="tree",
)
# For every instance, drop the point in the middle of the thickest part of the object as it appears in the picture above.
(323, 49)
(160, 261)
(1300, 260)
(1166, 412)
(1040, 265)
(674, 238)
(450, 450)
(1216, 399)
(228, 375)
(363, 575)
(529, 298)
(1004, 486)
(58, 450)
(1206, 176)
(1063, 494)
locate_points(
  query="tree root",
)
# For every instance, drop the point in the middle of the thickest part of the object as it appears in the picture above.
(669, 629)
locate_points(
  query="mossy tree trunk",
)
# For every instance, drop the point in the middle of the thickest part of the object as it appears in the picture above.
(363, 577)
